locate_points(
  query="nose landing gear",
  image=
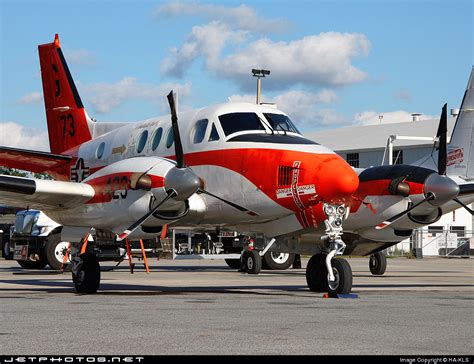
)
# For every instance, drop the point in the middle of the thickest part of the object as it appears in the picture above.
(323, 273)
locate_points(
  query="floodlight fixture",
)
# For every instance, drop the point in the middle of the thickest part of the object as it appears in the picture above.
(260, 72)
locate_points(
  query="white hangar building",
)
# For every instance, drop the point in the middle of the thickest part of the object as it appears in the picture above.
(363, 146)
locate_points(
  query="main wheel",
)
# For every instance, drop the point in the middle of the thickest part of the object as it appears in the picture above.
(316, 273)
(87, 279)
(233, 263)
(29, 264)
(276, 261)
(378, 263)
(252, 262)
(55, 250)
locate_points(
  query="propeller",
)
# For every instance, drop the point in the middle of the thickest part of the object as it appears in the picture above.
(438, 188)
(180, 181)
(180, 157)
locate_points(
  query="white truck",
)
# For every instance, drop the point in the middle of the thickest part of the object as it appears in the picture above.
(35, 241)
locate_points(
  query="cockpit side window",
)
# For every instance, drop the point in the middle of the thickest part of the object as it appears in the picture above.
(214, 134)
(240, 121)
(281, 122)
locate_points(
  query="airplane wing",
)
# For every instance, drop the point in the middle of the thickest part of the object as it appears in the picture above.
(43, 194)
(30, 160)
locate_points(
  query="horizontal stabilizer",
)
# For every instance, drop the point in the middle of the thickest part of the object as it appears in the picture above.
(43, 194)
(31, 160)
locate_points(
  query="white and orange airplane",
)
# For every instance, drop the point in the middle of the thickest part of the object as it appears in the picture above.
(234, 166)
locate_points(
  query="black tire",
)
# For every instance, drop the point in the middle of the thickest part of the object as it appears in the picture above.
(54, 251)
(233, 263)
(252, 262)
(316, 273)
(278, 261)
(6, 251)
(29, 264)
(88, 278)
(378, 263)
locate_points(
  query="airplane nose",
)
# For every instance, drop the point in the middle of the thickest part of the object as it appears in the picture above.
(337, 180)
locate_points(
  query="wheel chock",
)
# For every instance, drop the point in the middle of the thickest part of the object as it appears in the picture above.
(348, 295)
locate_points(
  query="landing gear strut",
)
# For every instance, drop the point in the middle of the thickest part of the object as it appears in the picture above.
(323, 273)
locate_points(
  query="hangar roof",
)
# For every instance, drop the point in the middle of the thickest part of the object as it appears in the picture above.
(367, 137)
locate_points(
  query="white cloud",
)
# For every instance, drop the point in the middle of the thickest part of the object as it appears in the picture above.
(304, 107)
(206, 40)
(242, 17)
(372, 117)
(315, 60)
(104, 96)
(31, 98)
(18, 136)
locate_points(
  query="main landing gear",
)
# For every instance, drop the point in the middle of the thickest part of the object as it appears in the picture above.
(378, 263)
(323, 273)
(85, 268)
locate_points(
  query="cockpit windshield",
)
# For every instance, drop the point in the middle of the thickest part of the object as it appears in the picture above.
(240, 121)
(281, 122)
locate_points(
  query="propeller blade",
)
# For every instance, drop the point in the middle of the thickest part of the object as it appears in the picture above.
(234, 205)
(383, 225)
(464, 205)
(178, 147)
(442, 135)
(140, 221)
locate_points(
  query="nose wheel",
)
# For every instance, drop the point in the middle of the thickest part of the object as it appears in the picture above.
(318, 280)
(323, 272)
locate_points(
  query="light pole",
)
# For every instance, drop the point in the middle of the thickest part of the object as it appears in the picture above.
(259, 74)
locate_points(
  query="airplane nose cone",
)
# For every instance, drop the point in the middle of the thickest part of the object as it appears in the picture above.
(337, 180)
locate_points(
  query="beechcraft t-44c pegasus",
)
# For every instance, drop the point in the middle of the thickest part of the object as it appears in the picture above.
(234, 166)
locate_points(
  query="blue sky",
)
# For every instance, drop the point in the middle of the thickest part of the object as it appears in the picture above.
(334, 63)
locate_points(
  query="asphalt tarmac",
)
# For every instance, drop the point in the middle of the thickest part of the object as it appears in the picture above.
(202, 307)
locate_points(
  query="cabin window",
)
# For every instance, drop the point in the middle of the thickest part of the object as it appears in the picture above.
(142, 141)
(156, 139)
(240, 121)
(100, 150)
(169, 138)
(214, 134)
(281, 122)
(199, 130)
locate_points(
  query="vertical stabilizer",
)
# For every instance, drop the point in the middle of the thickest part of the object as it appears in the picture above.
(460, 160)
(68, 122)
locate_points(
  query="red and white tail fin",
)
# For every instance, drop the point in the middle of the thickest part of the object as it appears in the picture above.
(461, 145)
(68, 122)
